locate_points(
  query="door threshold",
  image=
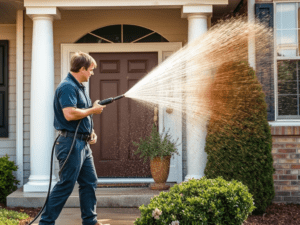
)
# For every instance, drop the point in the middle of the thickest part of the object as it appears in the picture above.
(102, 181)
(122, 185)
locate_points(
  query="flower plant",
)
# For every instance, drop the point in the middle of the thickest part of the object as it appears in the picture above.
(156, 144)
(199, 202)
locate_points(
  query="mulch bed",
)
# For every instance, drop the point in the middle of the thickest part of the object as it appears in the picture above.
(276, 214)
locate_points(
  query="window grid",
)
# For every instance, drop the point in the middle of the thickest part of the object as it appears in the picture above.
(287, 58)
(115, 38)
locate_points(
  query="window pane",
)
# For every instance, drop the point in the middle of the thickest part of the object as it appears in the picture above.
(287, 70)
(287, 105)
(286, 37)
(286, 16)
(131, 33)
(153, 38)
(288, 87)
(287, 53)
(112, 33)
(90, 39)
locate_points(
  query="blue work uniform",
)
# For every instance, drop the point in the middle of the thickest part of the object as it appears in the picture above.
(80, 165)
(71, 93)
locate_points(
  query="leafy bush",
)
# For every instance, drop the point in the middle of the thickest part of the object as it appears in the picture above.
(239, 140)
(7, 180)
(201, 202)
(156, 145)
(9, 217)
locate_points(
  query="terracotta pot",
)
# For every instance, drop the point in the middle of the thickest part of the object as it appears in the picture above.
(160, 172)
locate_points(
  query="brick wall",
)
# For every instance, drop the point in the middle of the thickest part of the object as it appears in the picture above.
(286, 155)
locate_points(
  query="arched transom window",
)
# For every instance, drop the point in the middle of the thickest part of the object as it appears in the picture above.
(121, 33)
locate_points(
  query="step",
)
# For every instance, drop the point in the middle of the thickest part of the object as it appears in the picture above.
(112, 197)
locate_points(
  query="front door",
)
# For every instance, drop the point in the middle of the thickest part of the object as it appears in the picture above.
(123, 121)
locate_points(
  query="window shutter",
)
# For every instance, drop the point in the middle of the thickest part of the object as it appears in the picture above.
(264, 12)
(3, 88)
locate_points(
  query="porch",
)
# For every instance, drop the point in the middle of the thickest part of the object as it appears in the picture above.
(114, 197)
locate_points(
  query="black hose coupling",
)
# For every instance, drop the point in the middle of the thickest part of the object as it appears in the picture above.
(110, 100)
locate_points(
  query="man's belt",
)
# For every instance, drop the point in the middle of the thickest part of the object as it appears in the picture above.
(85, 137)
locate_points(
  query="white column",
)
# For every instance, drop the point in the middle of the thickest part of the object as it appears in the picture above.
(197, 25)
(195, 133)
(41, 104)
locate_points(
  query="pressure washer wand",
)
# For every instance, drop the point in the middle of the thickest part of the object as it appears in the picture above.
(110, 100)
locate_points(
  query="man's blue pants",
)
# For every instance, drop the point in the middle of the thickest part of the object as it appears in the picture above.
(79, 167)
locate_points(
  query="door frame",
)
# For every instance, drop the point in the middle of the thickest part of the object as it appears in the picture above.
(164, 50)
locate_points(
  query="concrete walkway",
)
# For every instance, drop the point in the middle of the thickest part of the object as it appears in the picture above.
(106, 216)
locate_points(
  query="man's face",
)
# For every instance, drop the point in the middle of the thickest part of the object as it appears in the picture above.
(86, 74)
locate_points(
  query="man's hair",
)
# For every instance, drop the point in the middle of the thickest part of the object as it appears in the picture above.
(81, 59)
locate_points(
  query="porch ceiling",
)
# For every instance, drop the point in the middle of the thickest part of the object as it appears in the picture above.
(8, 8)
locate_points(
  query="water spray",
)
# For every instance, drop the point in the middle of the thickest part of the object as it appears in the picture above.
(189, 80)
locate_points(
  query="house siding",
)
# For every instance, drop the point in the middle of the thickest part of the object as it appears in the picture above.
(8, 145)
(75, 24)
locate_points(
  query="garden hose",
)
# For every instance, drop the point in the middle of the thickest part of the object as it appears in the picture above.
(59, 170)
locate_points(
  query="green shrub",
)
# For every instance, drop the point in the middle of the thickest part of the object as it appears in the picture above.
(199, 202)
(239, 141)
(7, 180)
(9, 217)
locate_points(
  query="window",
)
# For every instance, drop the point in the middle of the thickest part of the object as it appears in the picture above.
(288, 60)
(122, 33)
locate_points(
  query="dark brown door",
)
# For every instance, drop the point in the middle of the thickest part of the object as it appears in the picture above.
(123, 121)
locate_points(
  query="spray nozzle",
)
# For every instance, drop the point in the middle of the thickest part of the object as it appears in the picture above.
(110, 100)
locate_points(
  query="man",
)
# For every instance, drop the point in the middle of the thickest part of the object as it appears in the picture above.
(72, 104)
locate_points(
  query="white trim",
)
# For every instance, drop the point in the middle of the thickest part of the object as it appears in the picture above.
(282, 123)
(19, 95)
(54, 11)
(196, 9)
(275, 66)
(285, 1)
(119, 3)
(124, 180)
(162, 49)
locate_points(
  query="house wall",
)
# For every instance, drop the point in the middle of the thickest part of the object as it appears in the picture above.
(75, 24)
(8, 145)
(286, 155)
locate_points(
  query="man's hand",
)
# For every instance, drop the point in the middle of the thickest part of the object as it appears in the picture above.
(98, 108)
(93, 138)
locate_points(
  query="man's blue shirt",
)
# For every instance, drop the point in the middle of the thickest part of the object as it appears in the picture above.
(70, 93)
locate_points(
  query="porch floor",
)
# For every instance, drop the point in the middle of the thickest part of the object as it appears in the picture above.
(106, 197)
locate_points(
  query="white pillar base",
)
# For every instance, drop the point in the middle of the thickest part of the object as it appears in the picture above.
(39, 184)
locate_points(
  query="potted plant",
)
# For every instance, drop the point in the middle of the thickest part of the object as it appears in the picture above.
(158, 148)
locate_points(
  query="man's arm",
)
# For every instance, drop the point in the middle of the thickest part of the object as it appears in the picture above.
(72, 113)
